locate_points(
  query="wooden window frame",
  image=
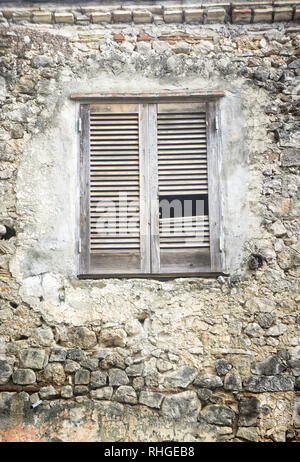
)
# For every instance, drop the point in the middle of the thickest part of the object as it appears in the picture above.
(211, 101)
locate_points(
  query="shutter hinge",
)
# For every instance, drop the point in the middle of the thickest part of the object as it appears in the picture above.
(79, 246)
(217, 123)
(220, 245)
(79, 125)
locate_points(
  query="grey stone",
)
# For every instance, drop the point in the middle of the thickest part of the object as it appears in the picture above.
(248, 412)
(113, 409)
(218, 415)
(151, 380)
(297, 411)
(82, 377)
(134, 370)
(98, 379)
(297, 383)
(54, 372)
(81, 390)
(294, 364)
(58, 355)
(76, 354)
(102, 393)
(269, 383)
(48, 392)
(253, 330)
(90, 363)
(232, 382)
(138, 383)
(204, 395)
(182, 47)
(126, 394)
(248, 434)
(82, 337)
(208, 381)
(265, 320)
(290, 157)
(66, 391)
(182, 378)
(44, 336)
(222, 366)
(183, 406)
(270, 366)
(23, 377)
(5, 399)
(294, 64)
(5, 371)
(151, 399)
(32, 358)
(71, 366)
(278, 229)
(117, 377)
(277, 330)
(42, 61)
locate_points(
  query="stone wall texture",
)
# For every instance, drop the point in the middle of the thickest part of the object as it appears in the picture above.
(186, 359)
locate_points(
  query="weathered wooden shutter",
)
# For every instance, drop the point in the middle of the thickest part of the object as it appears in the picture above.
(150, 198)
(184, 137)
(113, 190)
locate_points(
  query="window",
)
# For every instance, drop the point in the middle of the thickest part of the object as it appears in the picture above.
(150, 189)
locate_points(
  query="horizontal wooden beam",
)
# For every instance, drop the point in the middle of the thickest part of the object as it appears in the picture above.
(94, 97)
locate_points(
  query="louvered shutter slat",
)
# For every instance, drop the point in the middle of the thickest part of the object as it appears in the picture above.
(114, 188)
(182, 173)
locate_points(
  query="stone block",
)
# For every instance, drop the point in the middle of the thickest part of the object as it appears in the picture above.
(215, 15)
(63, 17)
(290, 157)
(249, 412)
(183, 406)
(248, 434)
(82, 377)
(126, 394)
(134, 370)
(208, 381)
(283, 14)
(66, 391)
(232, 382)
(183, 377)
(21, 16)
(102, 393)
(173, 16)
(42, 17)
(122, 16)
(297, 13)
(99, 16)
(58, 354)
(48, 392)
(117, 377)
(297, 411)
(151, 399)
(32, 358)
(142, 16)
(80, 390)
(193, 15)
(218, 415)
(98, 379)
(5, 371)
(262, 15)
(23, 377)
(241, 15)
(223, 366)
(269, 383)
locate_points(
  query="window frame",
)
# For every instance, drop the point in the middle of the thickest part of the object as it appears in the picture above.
(211, 99)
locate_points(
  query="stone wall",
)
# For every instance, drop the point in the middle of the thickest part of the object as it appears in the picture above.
(188, 359)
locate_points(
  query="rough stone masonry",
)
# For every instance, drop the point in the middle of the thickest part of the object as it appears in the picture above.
(187, 359)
